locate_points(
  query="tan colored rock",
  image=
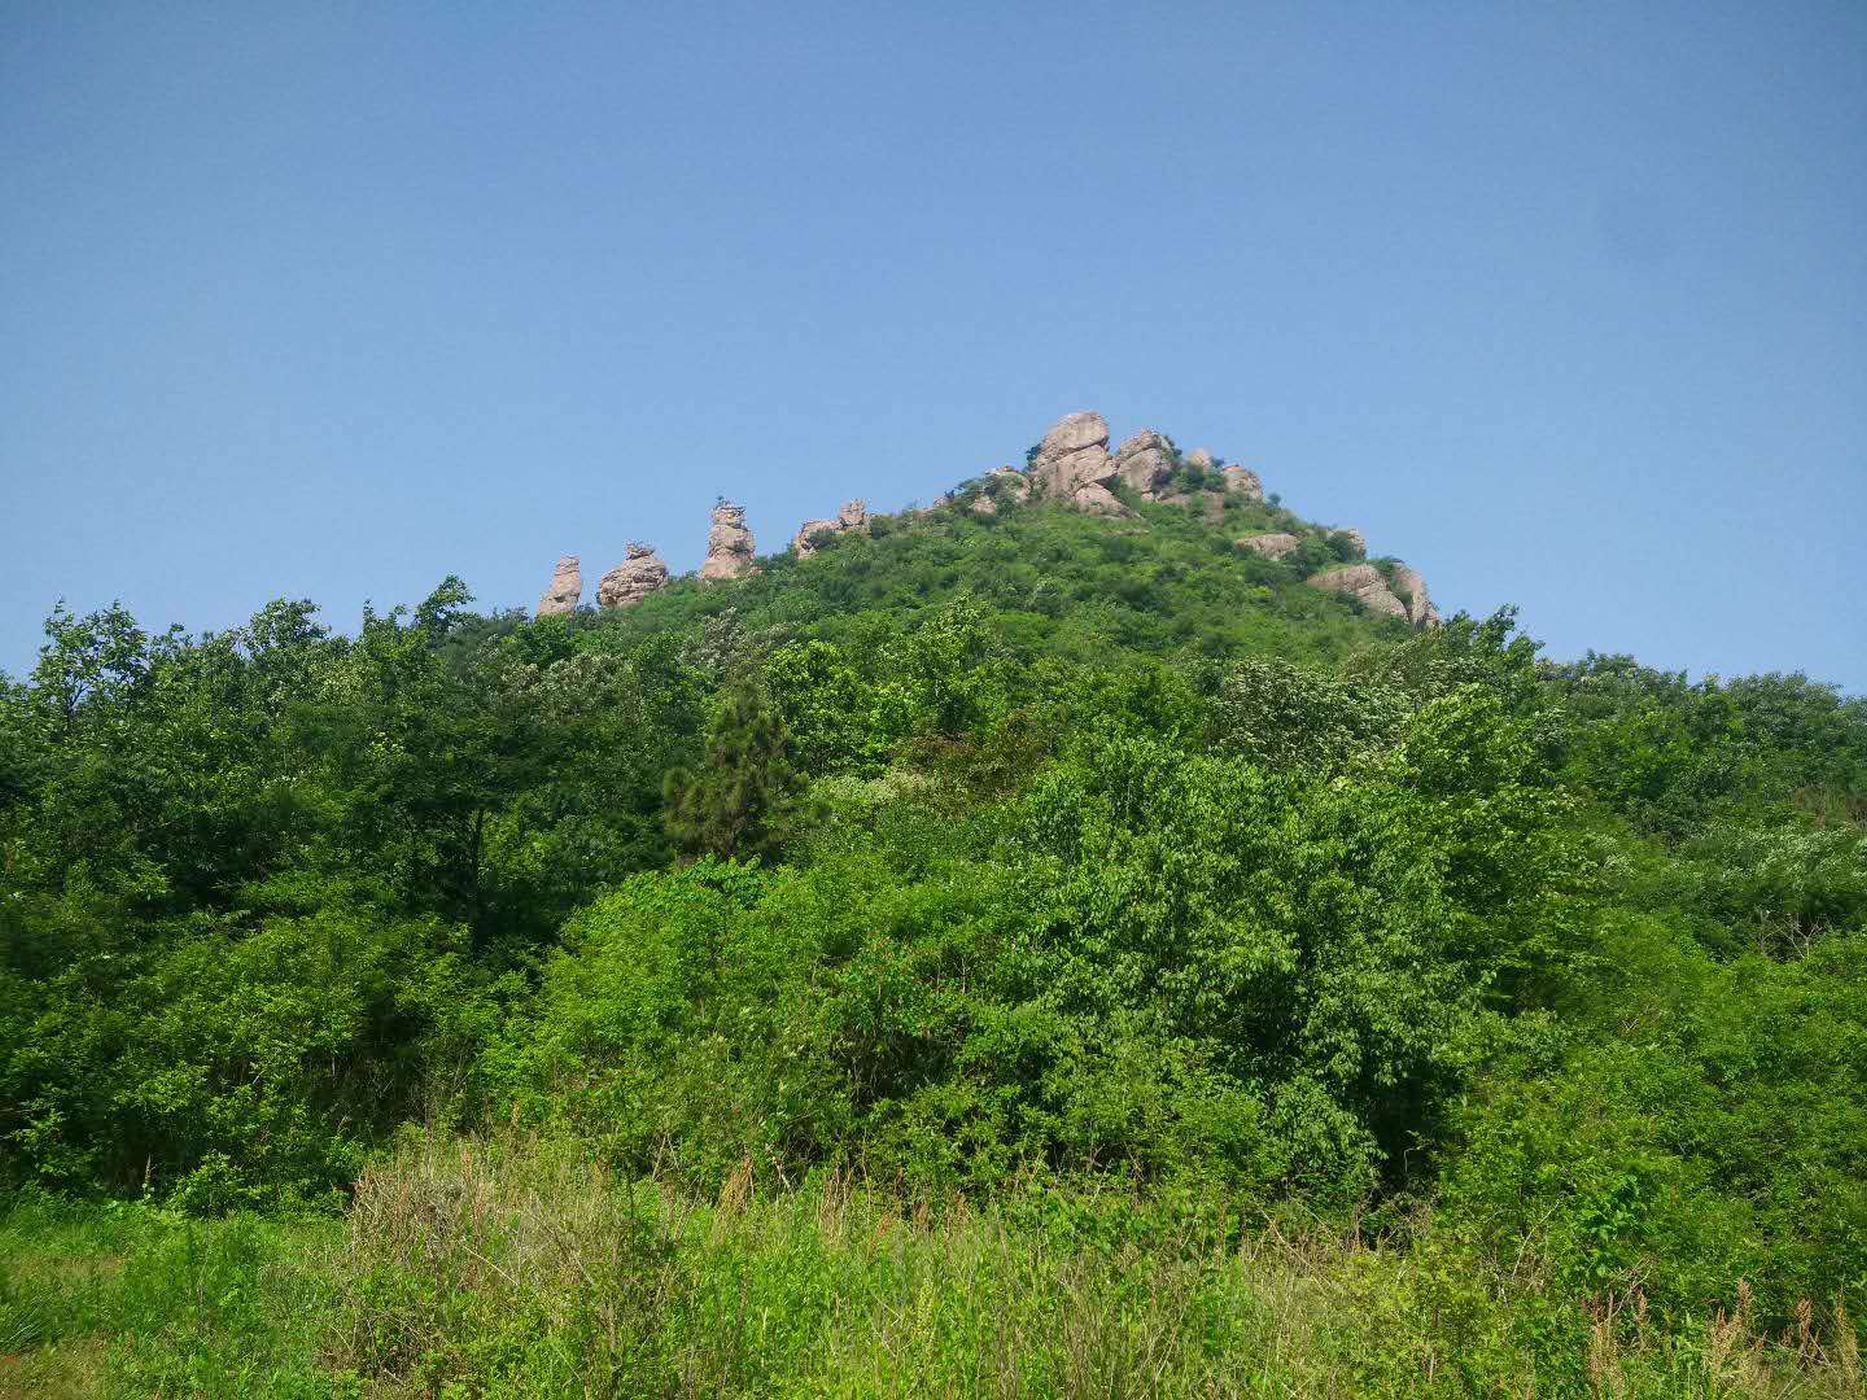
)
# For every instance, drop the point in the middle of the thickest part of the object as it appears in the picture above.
(1073, 454)
(1010, 483)
(812, 534)
(1200, 457)
(640, 573)
(1363, 583)
(1357, 541)
(1242, 481)
(566, 590)
(983, 504)
(1097, 499)
(1072, 434)
(1270, 546)
(1144, 462)
(1062, 477)
(1420, 609)
(730, 548)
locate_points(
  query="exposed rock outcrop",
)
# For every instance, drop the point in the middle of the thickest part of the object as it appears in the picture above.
(1365, 584)
(812, 533)
(1243, 482)
(1420, 609)
(640, 573)
(1074, 457)
(566, 590)
(730, 548)
(1201, 458)
(1356, 540)
(1144, 463)
(1271, 546)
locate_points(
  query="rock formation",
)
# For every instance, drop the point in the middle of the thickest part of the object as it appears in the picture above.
(1365, 584)
(812, 533)
(1356, 540)
(1420, 609)
(1144, 463)
(729, 544)
(1200, 458)
(566, 589)
(638, 575)
(1073, 466)
(1271, 546)
(1242, 481)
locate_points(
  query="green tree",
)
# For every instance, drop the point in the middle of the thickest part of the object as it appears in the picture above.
(735, 801)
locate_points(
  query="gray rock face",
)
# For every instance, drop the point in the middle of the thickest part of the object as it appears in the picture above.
(1363, 583)
(812, 533)
(566, 590)
(1270, 546)
(1242, 481)
(638, 575)
(730, 548)
(1144, 462)
(1420, 609)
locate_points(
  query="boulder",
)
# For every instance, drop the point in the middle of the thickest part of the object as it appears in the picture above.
(640, 573)
(1363, 583)
(1420, 609)
(1201, 458)
(1270, 546)
(1242, 481)
(1073, 454)
(566, 589)
(1097, 499)
(730, 549)
(983, 504)
(1144, 463)
(1062, 477)
(812, 533)
(1356, 540)
(1072, 434)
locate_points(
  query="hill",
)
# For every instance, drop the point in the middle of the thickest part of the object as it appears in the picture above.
(1052, 942)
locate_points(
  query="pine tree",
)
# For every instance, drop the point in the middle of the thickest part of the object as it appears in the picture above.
(734, 804)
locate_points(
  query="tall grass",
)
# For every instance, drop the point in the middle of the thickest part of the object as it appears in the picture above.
(471, 1268)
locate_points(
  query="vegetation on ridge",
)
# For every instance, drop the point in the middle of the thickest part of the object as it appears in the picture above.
(1027, 953)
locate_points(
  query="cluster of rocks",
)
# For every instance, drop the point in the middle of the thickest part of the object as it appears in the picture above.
(1071, 466)
(730, 554)
(1371, 588)
(813, 534)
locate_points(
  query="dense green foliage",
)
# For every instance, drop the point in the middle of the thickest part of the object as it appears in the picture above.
(982, 861)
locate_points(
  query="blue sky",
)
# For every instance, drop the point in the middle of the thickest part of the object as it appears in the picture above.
(1566, 305)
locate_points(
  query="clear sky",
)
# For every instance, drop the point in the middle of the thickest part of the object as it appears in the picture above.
(1564, 304)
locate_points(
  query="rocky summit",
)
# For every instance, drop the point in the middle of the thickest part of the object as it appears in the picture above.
(730, 548)
(1073, 468)
(566, 589)
(640, 573)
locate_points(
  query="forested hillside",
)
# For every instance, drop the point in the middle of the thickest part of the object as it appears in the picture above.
(1009, 950)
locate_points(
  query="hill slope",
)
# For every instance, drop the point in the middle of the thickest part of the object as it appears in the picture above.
(1086, 874)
